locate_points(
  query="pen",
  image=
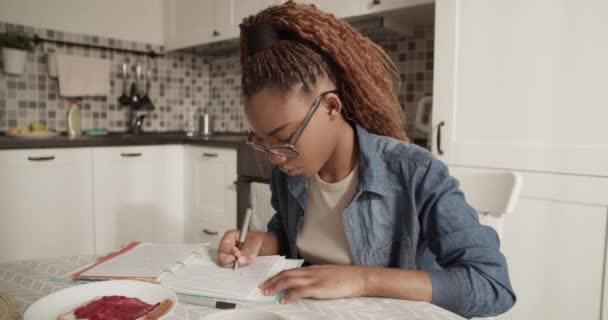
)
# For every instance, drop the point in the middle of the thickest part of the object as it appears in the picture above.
(206, 302)
(243, 235)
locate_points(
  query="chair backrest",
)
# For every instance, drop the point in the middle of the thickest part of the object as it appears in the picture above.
(262, 208)
(492, 193)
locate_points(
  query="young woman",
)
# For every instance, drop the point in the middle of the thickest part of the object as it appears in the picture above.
(372, 214)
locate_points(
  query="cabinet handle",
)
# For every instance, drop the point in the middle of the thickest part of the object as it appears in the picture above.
(441, 124)
(130, 155)
(49, 158)
(215, 33)
(210, 155)
(376, 2)
(210, 232)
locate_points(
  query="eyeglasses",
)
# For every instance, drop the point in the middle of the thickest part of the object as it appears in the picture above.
(287, 150)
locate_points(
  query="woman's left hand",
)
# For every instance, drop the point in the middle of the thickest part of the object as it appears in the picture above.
(318, 281)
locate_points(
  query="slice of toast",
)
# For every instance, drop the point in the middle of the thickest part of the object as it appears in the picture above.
(140, 309)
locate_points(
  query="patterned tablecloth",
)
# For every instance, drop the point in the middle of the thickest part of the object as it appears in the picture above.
(28, 281)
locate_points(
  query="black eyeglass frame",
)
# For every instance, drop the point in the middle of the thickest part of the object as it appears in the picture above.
(291, 146)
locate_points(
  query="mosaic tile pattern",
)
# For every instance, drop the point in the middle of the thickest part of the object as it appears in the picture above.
(182, 83)
(413, 56)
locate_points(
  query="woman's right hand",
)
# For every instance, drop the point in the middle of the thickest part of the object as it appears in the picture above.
(228, 251)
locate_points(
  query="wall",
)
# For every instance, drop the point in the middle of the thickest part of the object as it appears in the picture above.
(413, 55)
(179, 85)
(182, 83)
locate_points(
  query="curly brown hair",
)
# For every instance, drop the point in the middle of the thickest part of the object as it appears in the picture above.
(311, 43)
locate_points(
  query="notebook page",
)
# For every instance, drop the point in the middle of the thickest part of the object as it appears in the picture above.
(256, 294)
(145, 260)
(203, 275)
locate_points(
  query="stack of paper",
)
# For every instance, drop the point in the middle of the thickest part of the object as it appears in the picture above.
(203, 277)
(188, 269)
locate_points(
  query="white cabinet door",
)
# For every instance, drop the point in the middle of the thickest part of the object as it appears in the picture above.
(341, 9)
(245, 8)
(555, 244)
(225, 24)
(188, 23)
(210, 176)
(376, 6)
(46, 206)
(196, 22)
(521, 84)
(353, 8)
(138, 195)
(555, 252)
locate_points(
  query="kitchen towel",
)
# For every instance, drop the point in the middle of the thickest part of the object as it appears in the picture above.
(83, 76)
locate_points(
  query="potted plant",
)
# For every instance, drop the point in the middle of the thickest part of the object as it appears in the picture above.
(14, 51)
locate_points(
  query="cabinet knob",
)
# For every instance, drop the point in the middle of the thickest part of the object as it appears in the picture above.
(209, 232)
(210, 155)
(49, 158)
(215, 33)
(376, 2)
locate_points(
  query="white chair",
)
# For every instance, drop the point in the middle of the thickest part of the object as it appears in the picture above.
(493, 194)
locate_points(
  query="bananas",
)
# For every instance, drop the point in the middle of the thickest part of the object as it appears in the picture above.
(38, 127)
(33, 127)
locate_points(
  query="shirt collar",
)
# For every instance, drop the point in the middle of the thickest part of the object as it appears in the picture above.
(372, 169)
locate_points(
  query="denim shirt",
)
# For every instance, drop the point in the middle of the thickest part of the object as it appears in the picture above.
(408, 213)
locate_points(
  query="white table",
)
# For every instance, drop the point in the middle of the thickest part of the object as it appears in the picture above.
(28, 281)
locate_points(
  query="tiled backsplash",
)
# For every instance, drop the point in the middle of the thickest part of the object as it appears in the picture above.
(181, 83)
(413, 56)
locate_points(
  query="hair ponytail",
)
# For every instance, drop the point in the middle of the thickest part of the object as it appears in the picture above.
(293, 43)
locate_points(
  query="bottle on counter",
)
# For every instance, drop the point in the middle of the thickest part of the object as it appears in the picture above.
(190, 125)
(74, 120)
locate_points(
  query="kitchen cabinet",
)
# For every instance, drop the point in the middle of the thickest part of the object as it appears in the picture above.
(555, 244)
(354, 8)
(556, 254)
(191, 23)
(194, 22)
(188, 22)
(520, 84)
(210, 192)
(46, 203)
(138, 195)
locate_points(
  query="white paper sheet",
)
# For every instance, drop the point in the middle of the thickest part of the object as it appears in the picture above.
(204, 275)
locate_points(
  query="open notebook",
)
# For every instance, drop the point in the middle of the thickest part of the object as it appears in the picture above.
(189, 269)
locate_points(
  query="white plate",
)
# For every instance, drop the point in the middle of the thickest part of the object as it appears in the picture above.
(34, 135)
(244, 314)
(49, 307)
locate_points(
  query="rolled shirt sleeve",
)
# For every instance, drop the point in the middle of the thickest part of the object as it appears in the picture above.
(474, 279)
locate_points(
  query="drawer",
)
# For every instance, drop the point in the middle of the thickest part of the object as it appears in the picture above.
(199, 230)
(60, 156)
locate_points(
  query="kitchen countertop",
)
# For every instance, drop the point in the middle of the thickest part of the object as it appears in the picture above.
(228, 140)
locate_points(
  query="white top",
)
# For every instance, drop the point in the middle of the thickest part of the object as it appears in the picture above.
(322, 239)
(30, 280)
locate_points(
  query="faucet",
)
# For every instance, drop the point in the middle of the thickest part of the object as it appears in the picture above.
(135, 101)
(135, 122)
